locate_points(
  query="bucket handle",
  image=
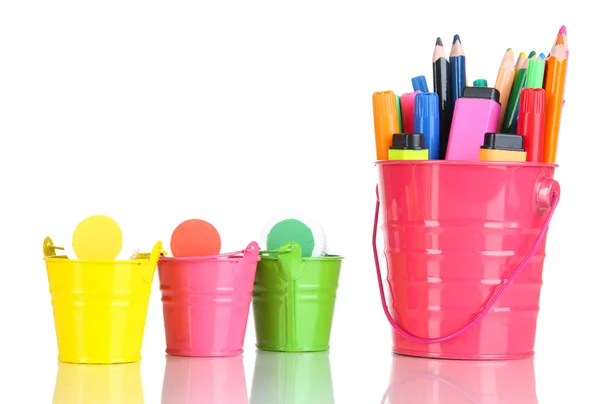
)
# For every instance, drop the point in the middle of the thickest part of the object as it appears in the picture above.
(548, 194)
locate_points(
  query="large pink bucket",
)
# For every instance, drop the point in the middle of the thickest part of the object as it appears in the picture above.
(206, 301)
(465, 245)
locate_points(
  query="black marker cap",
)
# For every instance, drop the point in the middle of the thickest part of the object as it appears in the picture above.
(408, 141)
(486, 93)
(503, 141)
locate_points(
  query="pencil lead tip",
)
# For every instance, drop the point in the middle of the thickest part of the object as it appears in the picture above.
(456, 39)
(438, 42)
(531, 54)
(562, 30)
(522, 55)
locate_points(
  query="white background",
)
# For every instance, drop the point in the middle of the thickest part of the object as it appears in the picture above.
(230, 111)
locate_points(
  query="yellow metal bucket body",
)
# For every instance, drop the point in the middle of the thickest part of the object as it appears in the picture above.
(100, 307)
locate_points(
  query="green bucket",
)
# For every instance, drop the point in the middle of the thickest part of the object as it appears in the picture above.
(294, 299)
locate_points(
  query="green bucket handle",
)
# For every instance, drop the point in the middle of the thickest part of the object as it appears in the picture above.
(290, 264)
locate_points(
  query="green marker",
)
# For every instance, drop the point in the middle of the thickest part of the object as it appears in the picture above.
(512, 109)
(535, 73)
(480, 83)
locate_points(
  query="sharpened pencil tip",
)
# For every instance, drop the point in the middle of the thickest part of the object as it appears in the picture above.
(562, 30)
(531, 54)
(456, 39)
(522, 55)
(438, 42)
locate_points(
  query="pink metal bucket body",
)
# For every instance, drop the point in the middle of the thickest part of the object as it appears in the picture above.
(206, 301)
(465, 246)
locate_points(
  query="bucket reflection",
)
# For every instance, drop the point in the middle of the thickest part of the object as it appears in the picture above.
(216, 380)
(98, 384)
(292, 378)
(443, 381)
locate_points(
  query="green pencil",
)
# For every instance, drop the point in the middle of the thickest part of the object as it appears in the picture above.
(512, 110)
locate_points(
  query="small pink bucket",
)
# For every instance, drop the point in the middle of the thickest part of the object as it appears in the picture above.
(464, 244)
(206, 301)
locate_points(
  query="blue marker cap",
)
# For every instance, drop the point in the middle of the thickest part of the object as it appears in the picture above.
(427, 104)
(419, 83)
(427, 122)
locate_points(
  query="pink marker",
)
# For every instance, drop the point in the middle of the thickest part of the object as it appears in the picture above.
(407, 107)
(476, 113)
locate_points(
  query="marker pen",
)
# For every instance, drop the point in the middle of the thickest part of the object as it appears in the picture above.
(502, 147)
(408, 146)
(385, 119)
(407, 106)
(419, 83)
(475, 113)
(427, 122)
(531, 122)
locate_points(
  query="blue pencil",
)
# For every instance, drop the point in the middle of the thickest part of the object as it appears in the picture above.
(458, 71)
(427, 122)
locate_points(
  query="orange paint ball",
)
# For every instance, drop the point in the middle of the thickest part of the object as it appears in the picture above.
(194, 238)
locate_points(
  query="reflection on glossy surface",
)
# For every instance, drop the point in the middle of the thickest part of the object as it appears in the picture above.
(444, 381)
(98, 384)
(217, 380)
(292, 378)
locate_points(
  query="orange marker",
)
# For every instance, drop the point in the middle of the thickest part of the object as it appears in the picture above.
(385, 118)
(504, 82)
(554, 85)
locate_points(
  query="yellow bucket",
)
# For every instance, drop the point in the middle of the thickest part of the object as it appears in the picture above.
(100, 306)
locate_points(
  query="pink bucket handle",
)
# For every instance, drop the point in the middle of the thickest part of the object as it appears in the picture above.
(548, 194)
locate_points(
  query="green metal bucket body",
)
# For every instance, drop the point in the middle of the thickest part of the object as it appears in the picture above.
(293, 301)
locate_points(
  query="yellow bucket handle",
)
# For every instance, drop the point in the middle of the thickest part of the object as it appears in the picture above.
(50, 249)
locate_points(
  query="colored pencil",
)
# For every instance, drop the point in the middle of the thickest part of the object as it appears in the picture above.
(442, 86)
(520, 60)
(554, 85)
(458, 71)
(504, 82)
(512, 110)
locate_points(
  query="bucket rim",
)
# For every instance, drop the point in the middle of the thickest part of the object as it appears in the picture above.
(78, 261)
(328, 257)
(232, 258)
(463, 163)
